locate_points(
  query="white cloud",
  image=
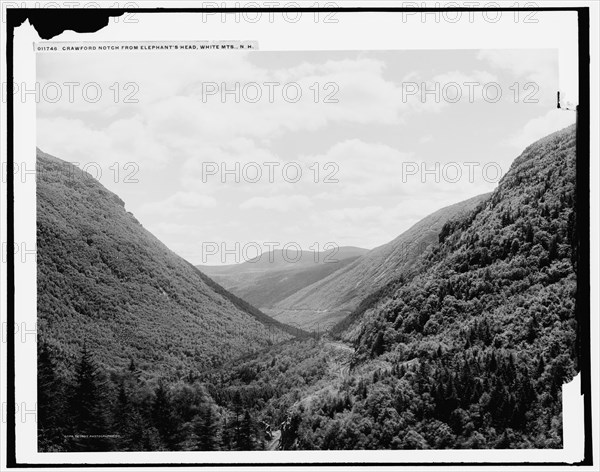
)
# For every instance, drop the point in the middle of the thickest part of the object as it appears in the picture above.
(535, 65)
(174, 118)
(360, 169)
(278, 203)
(542, 126)
(180, 203)
(124, 140)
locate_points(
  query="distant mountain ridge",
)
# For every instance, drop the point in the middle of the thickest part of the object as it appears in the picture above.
(287, 259)
(105, 281)
(334, 297)
(274, 275)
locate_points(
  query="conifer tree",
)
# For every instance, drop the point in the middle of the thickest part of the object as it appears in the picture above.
(246, 441)
(49, 404)
(89, 407)
(162, 416)
(206, 429)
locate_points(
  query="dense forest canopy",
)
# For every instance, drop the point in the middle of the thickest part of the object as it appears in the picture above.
(103, 278)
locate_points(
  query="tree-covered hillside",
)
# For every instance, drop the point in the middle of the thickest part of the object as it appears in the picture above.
(106, 281)
(473, 350)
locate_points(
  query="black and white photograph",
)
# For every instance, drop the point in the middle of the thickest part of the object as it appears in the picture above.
(284, 236)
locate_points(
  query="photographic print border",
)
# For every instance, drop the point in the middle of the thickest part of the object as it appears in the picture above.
(49, 22)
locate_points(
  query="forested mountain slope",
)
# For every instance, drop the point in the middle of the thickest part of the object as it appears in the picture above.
(274, 276)
(329, 300)
(105, 281)
(473, 350)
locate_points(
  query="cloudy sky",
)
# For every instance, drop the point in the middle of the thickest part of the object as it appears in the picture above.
(361, 143)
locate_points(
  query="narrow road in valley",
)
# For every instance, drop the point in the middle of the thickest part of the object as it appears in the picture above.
(273, 445)
(343, 369)
(339, 345)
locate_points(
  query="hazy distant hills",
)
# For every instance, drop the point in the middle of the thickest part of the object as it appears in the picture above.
(330, 299)
(106, 281)
(273, 276)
